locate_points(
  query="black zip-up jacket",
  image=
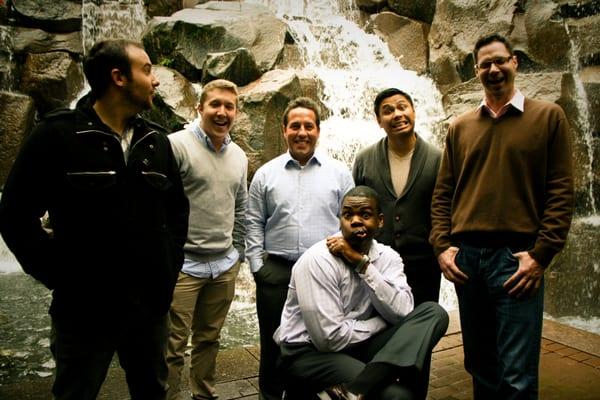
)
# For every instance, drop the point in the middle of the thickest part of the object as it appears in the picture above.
(118, 228)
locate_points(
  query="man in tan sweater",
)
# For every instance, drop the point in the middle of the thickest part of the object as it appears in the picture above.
(501, 210)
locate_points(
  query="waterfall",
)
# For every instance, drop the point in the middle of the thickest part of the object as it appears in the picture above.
(583, 123)
(7, 57)
(353, 67)
(111, 19)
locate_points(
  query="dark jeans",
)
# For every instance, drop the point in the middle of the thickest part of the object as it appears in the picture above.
(501, 334)
(272, 282)
(391, 365)
(83, 352)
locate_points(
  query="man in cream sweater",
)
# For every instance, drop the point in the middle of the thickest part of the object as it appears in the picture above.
(213, 170)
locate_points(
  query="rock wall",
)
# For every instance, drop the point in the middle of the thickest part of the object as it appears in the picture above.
(555, 41)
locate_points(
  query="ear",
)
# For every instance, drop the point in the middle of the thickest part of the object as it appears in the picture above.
(380, 218)
(516, 61)
(118, 78)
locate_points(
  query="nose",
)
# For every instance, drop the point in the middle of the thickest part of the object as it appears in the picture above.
(155, 81)
(494, 68)
(356, 220)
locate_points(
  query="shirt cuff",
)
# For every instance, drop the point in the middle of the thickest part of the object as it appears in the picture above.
(255, 264)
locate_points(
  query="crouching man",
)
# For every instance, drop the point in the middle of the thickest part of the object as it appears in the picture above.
(348, 327)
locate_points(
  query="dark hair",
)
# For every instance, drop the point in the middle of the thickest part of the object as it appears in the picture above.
(302, 102)
(494, 37)
(384, 94)
(366, 192)
(102, 58)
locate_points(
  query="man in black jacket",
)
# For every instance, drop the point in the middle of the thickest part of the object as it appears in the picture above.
(109, 183)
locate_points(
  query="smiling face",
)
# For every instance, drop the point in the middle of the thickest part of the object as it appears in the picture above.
(496, 68)
(301, 133)
(140, 85)
(396, 116)
(218, 112)
(360, 220)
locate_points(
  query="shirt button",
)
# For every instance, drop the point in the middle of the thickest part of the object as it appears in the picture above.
(397, 218)
(89, 124)
(151, 146)
(105, 148)
(397, 235)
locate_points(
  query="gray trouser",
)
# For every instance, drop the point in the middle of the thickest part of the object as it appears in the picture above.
(394, 364)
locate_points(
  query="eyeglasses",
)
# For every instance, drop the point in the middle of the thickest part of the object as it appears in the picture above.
(498, 61)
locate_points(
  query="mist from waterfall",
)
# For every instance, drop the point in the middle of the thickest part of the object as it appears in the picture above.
(353, 67)
(583, 122)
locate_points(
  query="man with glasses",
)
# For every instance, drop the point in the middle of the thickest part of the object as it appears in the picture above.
(501, 210)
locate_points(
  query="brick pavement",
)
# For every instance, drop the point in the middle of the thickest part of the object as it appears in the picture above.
(569, 370)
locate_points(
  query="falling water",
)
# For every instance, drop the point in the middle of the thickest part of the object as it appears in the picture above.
(354, 66)
(112, 19)
(583, 119)
(6, 55)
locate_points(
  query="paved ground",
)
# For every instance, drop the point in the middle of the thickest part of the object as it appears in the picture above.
(570, 370)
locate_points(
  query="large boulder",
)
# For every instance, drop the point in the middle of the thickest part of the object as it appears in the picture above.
(573, 279)
(406, 38)
(456, 26)
(258, 126)
(421, 10)
(17, 113)
(237, 66)
(371, 6)
(29, 40)
(175, 102)
(588, 43)
(184, 40)
(53, 16)
(52, 79)
(161, 7)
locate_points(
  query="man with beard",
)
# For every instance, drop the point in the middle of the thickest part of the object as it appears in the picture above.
(109, 182)
(214, 173)
(501, 210)
(348, 326)
(294, 202)
(402, 169)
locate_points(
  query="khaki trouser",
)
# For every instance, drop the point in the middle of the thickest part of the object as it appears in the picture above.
(199, 306)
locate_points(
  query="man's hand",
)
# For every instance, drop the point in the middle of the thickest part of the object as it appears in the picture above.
(449, 267)
(338, 246)
(528, 277)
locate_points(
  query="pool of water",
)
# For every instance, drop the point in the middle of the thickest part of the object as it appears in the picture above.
(25, 325)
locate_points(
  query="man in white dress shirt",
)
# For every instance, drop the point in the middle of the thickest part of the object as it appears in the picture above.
(348, 326)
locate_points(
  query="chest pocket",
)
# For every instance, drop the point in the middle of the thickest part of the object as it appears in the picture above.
(92, 180)
(156, 180)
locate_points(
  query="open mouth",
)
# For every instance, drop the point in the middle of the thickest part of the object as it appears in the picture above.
(221, 123)
(360, 234)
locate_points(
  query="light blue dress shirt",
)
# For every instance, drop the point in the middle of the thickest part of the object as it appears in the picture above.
(291, 207)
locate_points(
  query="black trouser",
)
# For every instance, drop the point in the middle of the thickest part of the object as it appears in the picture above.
(393, 364)
(272, 282)
(83, 352)
(424, 277)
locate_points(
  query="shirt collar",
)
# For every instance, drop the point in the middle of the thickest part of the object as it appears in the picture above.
(195, 127)
(517, 102)
(316, 158)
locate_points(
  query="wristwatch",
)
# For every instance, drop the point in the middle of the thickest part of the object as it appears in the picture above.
(362, 264)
